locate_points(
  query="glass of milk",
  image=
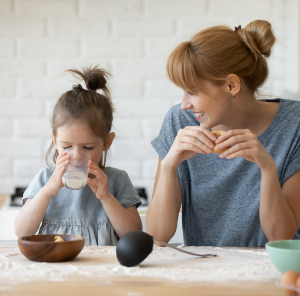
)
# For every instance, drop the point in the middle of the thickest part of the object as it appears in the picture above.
(76, 173)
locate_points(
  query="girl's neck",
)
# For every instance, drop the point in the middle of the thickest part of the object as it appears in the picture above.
(248, 113)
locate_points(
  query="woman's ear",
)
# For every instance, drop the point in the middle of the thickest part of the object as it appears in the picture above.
(109, 140)
(234, 84)
(53, 139)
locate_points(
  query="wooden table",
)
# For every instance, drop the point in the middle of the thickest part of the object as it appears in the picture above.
(72, 283)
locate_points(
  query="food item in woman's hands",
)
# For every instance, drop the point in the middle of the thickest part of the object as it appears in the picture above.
(217, 135)
(289, 279)
(58, 239)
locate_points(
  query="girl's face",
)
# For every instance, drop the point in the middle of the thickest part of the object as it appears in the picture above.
(79, 135)
(210, 110)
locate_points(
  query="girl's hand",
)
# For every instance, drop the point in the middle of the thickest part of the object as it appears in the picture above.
(55, 182)
(99, 185)
(188, 142)
(246, 145)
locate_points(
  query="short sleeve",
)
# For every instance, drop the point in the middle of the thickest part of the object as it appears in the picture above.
(293, 165)
(38, 182)
(175, 120)
(164, 141)
(125, 192)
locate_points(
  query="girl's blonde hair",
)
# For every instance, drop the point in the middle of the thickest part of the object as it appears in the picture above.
(85, 105)
(216, 52)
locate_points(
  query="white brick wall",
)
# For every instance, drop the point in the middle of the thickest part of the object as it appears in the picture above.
(39, 39)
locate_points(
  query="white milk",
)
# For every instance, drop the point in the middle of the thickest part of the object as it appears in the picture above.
(74, 179)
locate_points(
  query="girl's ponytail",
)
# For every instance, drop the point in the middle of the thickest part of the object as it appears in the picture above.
(86, 105)
(94, 78)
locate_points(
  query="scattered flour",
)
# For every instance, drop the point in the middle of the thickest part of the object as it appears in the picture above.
(93, 262)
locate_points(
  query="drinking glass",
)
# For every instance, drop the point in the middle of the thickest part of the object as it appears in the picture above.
(76, 173)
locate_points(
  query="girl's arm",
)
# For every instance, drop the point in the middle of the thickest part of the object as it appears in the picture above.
(31, 215)
(123, 220)
(163, 211)
(279, 210)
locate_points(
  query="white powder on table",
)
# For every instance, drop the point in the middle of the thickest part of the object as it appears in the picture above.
(93, 262)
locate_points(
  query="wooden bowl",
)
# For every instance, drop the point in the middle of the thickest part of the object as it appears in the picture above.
(42, 248)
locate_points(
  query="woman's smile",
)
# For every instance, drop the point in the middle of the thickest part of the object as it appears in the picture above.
(199, 115)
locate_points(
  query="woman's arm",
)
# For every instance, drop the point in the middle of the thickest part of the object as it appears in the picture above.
(279, 207)
(31, 215)
(279, 210)
(163, 211)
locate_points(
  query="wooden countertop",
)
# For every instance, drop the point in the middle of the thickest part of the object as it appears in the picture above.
(19, 276)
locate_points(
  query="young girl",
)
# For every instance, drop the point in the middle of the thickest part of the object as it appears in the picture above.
(105, 209)
(249, 194)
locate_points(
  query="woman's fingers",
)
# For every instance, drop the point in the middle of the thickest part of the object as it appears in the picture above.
(197, 135)
(202, 130)
(232, 133)
(234, 140)
(196, 143)
(245, 153)
(191, 147)
(236, 148)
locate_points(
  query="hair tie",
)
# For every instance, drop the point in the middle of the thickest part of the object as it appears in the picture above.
(83, 85)
(237, 28)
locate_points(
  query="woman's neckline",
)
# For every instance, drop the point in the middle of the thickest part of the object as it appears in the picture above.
(275, 119)
(271, 126)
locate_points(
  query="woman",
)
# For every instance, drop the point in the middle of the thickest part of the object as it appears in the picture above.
(249, 194)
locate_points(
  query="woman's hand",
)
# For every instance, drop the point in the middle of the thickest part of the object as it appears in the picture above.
(188, 142)
(55, 182)
(99, 185)
(246, 145)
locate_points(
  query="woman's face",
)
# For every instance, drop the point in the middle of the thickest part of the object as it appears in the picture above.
(210, 110)
(78, 135)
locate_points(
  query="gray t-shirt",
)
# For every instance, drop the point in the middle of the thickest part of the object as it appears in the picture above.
(221, 197)
(80, 212)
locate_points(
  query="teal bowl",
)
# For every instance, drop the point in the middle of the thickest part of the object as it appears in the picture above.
(285, 254)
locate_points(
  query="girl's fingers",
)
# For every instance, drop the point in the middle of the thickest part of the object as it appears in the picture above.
(61, 172)
(61, 155)
(62, 159)
(62, 164)
(197, 143)
(92, 181)
(97, 173)
(93, 164)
